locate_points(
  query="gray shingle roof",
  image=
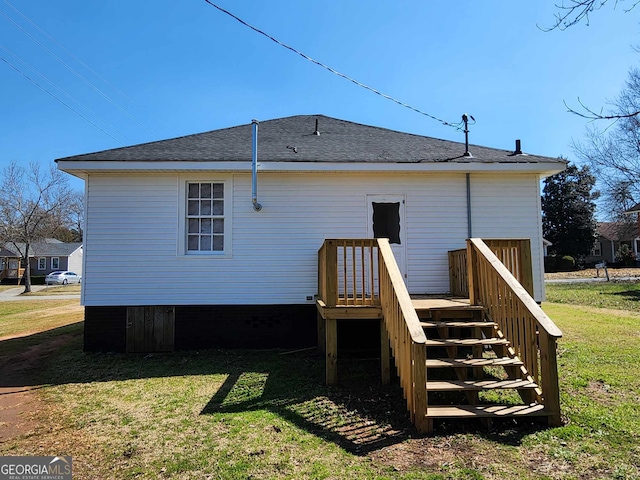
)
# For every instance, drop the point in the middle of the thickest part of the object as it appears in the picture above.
(46, 249)
(292, 139)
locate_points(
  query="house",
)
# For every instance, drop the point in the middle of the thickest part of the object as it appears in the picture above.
(9, 265)
(610, 236)
(266, 234)
(46, 256)
(173, 223)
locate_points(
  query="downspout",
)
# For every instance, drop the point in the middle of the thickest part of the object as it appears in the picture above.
(254, 167)
(469, 230)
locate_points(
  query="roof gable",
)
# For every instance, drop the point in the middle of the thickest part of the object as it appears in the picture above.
(295, 139)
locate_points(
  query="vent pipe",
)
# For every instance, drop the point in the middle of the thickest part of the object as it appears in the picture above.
(254, 167)
(518, 150)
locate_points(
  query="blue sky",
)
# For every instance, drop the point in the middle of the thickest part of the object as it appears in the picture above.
(170, 68)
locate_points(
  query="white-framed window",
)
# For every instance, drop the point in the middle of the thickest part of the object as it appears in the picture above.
(55, 263)
(206, 217)
(42, 263)
(3, 264)
(596, 251)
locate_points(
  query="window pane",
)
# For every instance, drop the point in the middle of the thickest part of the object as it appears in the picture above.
(194, 190)
(386, 221)
(193, 207)
(218, 207)
(218, 243)
(218, 190)
(194, 226)
(205, 207)
(218, 225)
(205, 190)
(205, 225)
(205, 243)
(193, 242)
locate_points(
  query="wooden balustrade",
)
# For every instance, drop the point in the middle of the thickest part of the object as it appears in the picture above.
(406, 336)
(531, 333)
(515, 254)
(348, 273)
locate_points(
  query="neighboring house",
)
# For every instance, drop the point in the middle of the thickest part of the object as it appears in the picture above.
(172, 223)
(545, 246)
(9, 264)
(609, 237)
(46, 257)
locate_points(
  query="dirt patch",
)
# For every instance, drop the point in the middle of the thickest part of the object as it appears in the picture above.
(591, 273)
(19, 405)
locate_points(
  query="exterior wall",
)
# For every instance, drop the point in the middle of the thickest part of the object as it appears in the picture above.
(75, 261)
(133, 241)
(509, 207)
(63, 265)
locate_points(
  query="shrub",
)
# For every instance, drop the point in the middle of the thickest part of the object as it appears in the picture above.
(625, 255)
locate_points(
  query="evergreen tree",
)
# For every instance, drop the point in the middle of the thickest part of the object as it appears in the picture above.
(568, 206)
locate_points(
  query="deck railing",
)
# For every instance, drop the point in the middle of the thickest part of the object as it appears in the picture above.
(406, 336)
(348, 272)
(515, 254)
(364, 272)
(531, 333)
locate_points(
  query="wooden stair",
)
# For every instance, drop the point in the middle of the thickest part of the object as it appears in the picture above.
(467, 355)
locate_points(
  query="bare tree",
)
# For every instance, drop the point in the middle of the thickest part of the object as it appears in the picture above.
(32, 206)
(571, 12)
(613, 153)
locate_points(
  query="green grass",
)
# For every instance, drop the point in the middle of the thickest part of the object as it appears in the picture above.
(616, 295)
(22, 317)
(261, 414)
(57, 290)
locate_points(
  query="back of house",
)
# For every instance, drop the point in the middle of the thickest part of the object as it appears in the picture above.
(177, 254)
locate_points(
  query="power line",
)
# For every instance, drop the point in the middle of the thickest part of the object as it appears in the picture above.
(63, 92)
(78, 75)
(57, 98)
(335, 72)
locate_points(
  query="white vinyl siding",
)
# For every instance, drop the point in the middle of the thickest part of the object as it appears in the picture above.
(135, 235)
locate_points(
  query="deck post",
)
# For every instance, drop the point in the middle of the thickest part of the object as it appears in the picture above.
(331, 270)
(385, 354)
(472, 274)
(526, 267)
(549, 380)
(331, 325)
(419, 375)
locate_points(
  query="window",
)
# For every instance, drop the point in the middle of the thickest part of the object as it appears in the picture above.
(42, 263)
(386, 221)
(205, 217)
(596, 251)
(55, 263)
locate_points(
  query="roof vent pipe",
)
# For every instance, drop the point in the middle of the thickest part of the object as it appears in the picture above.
(518, 148)
(254, 167)
(316, 131)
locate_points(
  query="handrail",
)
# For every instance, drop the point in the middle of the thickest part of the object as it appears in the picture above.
(406, 336)
(531, 333)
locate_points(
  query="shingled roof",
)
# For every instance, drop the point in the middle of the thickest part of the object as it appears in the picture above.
(295, 139)
(45, 249)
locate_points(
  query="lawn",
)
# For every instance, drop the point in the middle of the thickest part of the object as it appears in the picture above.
(267, 414)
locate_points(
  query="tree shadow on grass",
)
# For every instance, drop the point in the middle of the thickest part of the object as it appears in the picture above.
(360, 414)
(631, 295)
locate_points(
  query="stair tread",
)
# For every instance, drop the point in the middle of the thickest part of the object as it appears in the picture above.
(473, 362)
(458, 411)
(451, 342)
(448, 385)
(457, 323)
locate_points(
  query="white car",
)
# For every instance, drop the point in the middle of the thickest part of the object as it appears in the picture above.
(62, 278)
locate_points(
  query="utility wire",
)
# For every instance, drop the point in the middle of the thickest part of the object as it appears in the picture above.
(57, 98)
(96, 74)
(78, 75)
(335, 72)
(63, 92)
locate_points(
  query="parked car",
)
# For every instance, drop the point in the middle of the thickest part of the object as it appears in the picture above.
(62, 278)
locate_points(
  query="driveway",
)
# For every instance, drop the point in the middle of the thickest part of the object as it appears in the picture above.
(15, 294)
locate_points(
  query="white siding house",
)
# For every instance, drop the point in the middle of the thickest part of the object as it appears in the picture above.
(172, 223)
